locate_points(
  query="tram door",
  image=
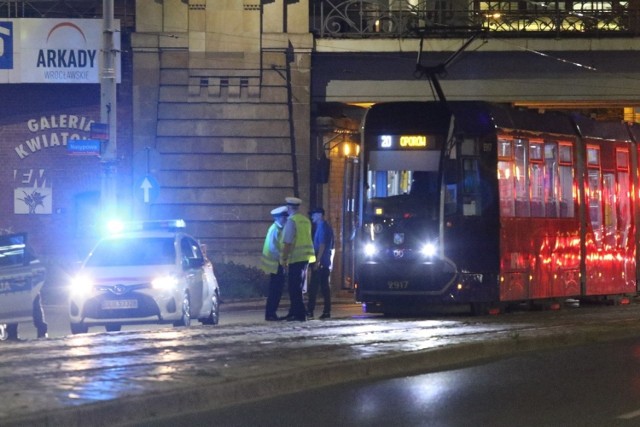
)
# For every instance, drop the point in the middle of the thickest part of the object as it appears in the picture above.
(610, 247)
(350, 217)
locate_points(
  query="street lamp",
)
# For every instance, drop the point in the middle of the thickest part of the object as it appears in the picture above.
(108, 111)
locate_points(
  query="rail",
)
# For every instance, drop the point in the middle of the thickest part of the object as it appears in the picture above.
(449, 18)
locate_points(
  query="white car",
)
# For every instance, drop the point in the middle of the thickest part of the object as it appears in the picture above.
(21, 279)
(153, 274)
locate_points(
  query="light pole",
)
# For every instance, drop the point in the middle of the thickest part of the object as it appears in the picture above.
(108, 111)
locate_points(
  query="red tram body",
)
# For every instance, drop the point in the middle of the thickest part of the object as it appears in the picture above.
(484, 204)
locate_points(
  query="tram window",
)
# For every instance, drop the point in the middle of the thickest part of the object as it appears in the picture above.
(504, 149)
(623, 197)
(471, 187)
(565, 175)
(535, 151)
(622, 160)
(396, 183)
(566, 157)
(558, 180)
(610, 220)
(537, 172)
(594, 193)
(551, 180)
(507, 188)
(536, 179)
(379, 188)
(593, 156)
(521, 179)
(468, 147)
(505, 178)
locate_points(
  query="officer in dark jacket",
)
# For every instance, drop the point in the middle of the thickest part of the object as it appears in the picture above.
(323, 244)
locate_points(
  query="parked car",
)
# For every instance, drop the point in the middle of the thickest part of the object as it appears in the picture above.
(152, 272)
(21, 279)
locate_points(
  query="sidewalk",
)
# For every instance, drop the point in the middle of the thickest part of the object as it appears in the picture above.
(119, 379)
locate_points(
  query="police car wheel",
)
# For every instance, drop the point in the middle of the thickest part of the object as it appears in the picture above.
(3, 332)
(185, 320)
(79, 328)
(214, 315)
(113, 328)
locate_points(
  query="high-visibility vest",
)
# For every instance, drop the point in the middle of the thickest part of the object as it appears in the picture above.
(271, 260)
(302, 247)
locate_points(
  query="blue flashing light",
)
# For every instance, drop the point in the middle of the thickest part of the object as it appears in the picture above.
(115, 227)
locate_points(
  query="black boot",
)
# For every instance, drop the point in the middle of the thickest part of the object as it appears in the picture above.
(12, 332)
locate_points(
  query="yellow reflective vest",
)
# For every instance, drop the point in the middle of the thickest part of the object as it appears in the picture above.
(271, 250)
(302, 247)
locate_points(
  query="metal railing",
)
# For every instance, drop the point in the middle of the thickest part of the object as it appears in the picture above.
(402, 18)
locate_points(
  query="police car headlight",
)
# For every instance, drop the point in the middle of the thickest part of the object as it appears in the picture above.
(428, 249)
(370, 249)
(164, 283)
(114, 226)
(81, 284)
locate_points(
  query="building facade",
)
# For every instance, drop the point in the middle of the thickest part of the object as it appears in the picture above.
(226, 108)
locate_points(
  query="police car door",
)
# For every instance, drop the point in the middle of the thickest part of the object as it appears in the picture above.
(20, 279)
(193, 265)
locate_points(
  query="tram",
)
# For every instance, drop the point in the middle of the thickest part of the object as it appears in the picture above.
(488, 205)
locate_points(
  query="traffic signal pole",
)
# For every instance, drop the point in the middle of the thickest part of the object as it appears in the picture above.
(108, 111)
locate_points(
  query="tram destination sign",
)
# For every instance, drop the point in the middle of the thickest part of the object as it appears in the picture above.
(405, 142)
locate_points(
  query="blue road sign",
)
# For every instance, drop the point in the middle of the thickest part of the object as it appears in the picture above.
(83, 147)
(148, 189)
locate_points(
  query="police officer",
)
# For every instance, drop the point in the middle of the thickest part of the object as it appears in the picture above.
(38, 322)
(323, 244)
(297, 252)
(271, 262)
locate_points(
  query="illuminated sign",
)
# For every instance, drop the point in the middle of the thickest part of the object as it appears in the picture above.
(53, 50)
(404, 142)
(413, 141)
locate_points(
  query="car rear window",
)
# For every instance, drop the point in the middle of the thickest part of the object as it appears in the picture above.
(133, 251)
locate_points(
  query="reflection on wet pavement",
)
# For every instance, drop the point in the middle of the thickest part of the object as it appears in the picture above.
(99, 367)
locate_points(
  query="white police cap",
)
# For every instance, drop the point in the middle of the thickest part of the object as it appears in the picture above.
(279, 211)
(293, 201)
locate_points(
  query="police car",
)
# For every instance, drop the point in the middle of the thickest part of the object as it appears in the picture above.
(151, 272)
(21, 279)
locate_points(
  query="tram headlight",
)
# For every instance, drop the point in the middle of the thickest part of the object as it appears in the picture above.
(428, 249)
(370, 249)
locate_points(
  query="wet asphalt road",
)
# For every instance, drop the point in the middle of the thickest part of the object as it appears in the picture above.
(112, 378)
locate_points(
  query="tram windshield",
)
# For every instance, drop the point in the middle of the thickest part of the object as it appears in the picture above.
(405, 185)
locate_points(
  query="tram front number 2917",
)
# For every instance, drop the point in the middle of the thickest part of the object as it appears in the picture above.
(398, 284)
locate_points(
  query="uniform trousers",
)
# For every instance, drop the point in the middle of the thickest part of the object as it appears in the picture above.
(297, 278)
(319, 279)
(274, 294)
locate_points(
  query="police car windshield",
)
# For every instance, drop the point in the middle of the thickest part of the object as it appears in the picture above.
(133, 251)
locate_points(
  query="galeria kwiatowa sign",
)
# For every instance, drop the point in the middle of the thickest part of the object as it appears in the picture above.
(51, 51)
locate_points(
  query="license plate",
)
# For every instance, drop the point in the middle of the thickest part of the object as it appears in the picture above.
(116, 304)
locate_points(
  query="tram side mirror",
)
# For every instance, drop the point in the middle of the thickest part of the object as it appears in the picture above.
(322, 170)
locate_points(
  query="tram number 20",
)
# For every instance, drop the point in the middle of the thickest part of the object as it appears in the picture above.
(398, 284)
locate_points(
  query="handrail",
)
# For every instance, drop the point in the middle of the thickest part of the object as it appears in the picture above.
(408, 18)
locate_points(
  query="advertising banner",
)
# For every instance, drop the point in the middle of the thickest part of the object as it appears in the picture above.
(53, 50)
